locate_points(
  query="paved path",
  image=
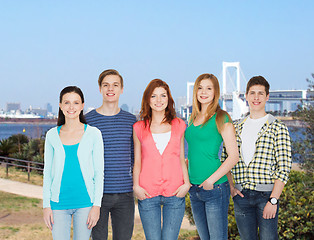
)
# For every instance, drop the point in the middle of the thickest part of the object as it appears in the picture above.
(34, 191)
(24, 189)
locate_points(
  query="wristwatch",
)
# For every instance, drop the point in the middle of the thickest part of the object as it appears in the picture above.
(273, 200)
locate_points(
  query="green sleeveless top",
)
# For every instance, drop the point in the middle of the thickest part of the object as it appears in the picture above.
(203, 146)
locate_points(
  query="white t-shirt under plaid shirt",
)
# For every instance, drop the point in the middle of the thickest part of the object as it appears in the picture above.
(271, 159)
(249, 135)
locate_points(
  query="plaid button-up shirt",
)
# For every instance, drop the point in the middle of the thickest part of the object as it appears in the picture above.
(272, 157)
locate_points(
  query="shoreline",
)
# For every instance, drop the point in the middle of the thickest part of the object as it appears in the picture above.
(38, 121)
(289, 121)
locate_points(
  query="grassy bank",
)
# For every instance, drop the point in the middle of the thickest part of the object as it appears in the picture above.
(16, 174)
(21, 217)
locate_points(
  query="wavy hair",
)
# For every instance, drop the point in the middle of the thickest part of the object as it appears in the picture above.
(213, 107)
(70, 89)
(146, 111)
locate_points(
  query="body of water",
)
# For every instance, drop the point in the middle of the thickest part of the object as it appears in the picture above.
(39, 130)
(30, 130)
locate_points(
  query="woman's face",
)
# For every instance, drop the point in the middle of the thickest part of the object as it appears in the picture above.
(71, 105)
(205, 92)
(159, 99)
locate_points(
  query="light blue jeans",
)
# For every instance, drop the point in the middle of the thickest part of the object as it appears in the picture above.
(172, 212)
(210, 211)
(61, 229)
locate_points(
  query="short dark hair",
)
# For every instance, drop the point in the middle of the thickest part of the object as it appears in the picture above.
(107, 73)
(70, 89)
(257, 80)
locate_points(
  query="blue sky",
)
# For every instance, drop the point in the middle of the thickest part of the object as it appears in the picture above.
(47, 45)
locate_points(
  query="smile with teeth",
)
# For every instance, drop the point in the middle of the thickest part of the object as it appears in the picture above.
(110, 94)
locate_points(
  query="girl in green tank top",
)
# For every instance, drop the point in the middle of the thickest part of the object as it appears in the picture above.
(208, 127)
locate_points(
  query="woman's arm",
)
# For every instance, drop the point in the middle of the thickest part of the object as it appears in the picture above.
(93, 217)
(139, 192)
(183, 189)
(228, 135)
(98, 162)
(233, 190)
(48, 156)
(48, 159)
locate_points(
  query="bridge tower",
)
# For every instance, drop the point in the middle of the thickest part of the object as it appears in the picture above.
(225, 66)
(239, 106)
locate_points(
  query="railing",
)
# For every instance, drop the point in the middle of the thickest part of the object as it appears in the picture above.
(6, 161)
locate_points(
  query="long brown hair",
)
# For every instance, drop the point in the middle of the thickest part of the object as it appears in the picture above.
(146, 111)
(213, 107)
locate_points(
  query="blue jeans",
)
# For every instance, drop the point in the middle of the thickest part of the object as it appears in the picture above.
(248, 213)
(210, 211)
(172, 212)
(121, 209)
(61, 228)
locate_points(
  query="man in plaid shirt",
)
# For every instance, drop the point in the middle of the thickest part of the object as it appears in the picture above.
(264, 166)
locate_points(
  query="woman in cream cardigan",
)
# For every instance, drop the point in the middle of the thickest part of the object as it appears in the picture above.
(73, 171)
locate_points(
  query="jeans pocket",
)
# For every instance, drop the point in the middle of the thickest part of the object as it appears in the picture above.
(130, 194)
(179, 197)
(212, 194)
(234, 197)
(265, 194)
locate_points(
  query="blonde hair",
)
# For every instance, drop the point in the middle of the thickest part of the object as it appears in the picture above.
(213, 107)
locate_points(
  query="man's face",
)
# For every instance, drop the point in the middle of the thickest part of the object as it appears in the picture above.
(257, 98)
(111, 88)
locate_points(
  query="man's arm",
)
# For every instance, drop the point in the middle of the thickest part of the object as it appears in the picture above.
(282, 149)
(270, 210)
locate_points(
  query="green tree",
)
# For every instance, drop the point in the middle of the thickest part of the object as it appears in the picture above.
(6, 147)
(302, 147)
(33, 151)
(21, 147)
(18, 140)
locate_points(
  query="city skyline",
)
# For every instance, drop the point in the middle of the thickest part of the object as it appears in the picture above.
(49, 45)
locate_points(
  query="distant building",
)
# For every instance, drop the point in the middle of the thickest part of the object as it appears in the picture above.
(13, 107)
(288, 100)
(125, 107)
(136, 112)
(185, 112)
(88, 110)
(40, 112)
(49, 108)
(180, 102)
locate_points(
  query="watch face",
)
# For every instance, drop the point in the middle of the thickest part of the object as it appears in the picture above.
(273, 201)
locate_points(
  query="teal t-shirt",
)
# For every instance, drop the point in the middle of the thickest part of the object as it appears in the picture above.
(73, 191)
(203, 147)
